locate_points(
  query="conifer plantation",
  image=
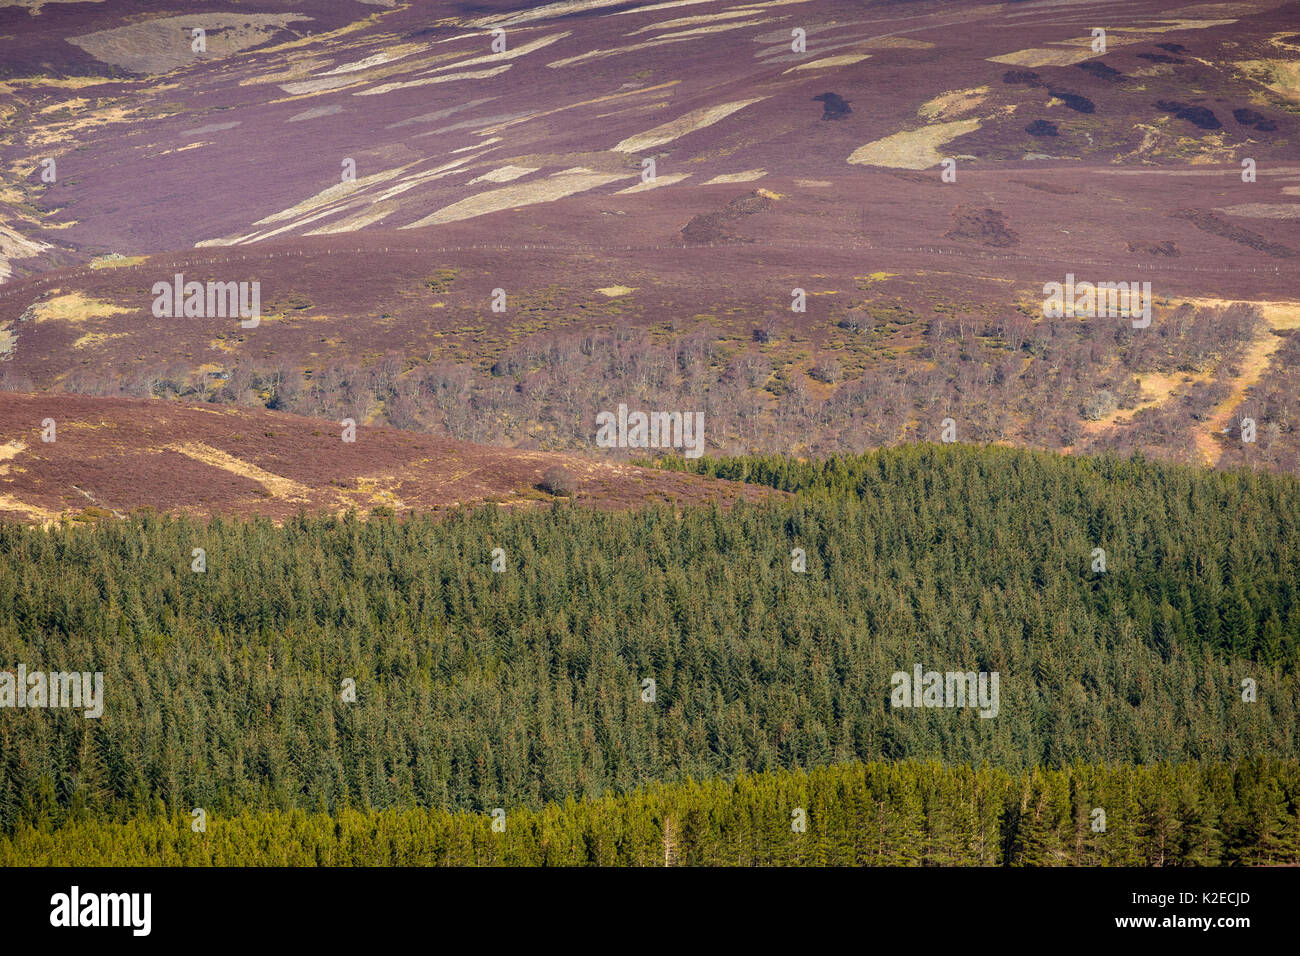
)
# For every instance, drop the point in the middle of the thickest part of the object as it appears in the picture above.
(525, 689)
(877, 814)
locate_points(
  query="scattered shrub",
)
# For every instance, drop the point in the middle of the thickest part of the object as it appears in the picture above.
(1099, 404)
(559, 481)
(827, 372)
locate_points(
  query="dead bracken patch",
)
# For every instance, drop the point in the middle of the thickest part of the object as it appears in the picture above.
(1161, 58)
(1101, 71)
(717, 226)
(921, 179)
(1022, 78)
(1167, 248)
(1208, 222)
(987, 226)
(1056, 189)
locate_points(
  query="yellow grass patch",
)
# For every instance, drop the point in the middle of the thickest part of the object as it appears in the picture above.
(716, 28)
(545, 12)
(1263, 210)
(378, 490)
(503, 175)
(75, 307)
(510, 53)
(692, 21)
(654, 183)
(955, 103)
(615, 51)
(1045, 56)
(661, 89)
(116, 262)
(1066, 52)
(375, 59)
(285, 489)
(33, 7)
(1224, 9)
(521, 194)
(1281, 39)
(35, 512)
(77, 103)
(828, 62)
(326, 84)
(912, 149)
(58, 135)
(1278, 314)
(70, 83)
(748, 176)
(319, 40)
(1171, 26)
(1157, 388)
(91, 339)
(668, 5)
(896, 43)
(1280, 76)
(687, 123)
(772, 3)
(368, 216)
(603, 161)
(427, 81)
(638, 108)
(297, 70)
(301, 79)
(327, 202)
(1078, 49)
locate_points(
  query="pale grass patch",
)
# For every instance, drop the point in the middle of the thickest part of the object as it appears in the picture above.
(521, 194)
(828, 62)
(280, 487)
(912, 149)
(76, 307)
(747, 176)
(687, 123)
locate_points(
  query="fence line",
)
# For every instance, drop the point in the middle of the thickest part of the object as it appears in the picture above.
(24, 284)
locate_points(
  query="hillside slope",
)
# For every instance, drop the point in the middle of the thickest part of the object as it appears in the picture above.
(113, 456)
